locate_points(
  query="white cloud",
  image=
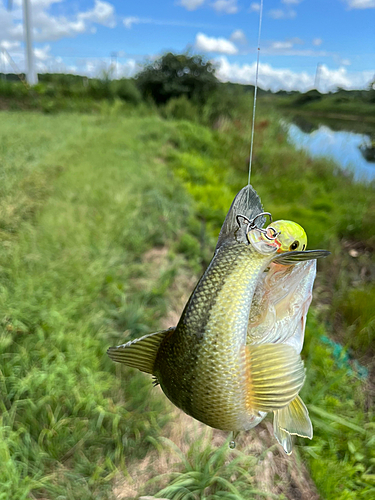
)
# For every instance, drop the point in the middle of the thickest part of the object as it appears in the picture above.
(282, 14)
(97, 67)
(281, 45)
(102, 13)
(361, 4)
(346, 62)
(49, 27)
(291, 2)
(225, 6)
(42, 54)
(238, 36)
(7, 45)
(317, 42)
(191, 4)
(284, 78)
(286, 46)
(211, 44)
(254, 7)
(129, 21)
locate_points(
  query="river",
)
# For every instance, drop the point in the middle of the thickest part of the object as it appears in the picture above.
(351, 150)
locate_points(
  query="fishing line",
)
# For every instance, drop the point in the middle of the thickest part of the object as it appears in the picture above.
(255, 93)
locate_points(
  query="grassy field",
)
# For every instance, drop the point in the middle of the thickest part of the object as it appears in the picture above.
(83, 199)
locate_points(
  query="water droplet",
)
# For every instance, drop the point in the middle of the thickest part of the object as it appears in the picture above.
(232, 445)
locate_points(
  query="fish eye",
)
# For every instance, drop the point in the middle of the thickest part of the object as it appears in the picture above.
(294, 245)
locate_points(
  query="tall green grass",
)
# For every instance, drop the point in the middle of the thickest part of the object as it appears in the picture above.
(82, 199)
(336, 213)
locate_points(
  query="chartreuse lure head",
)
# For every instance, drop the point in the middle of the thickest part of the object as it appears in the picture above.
(290, 236)
(278, 237)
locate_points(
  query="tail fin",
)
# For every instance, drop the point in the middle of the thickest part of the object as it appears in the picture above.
(140, 353)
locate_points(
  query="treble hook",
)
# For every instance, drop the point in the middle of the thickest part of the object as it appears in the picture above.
(251, 225)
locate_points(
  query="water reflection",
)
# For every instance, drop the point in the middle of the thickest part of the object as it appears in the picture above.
(342, 146)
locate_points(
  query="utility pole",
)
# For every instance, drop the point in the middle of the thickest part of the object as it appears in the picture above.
(114, 56)
(31, 74)
(317, 75)
(2, 58)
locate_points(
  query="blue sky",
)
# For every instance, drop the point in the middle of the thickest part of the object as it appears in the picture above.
(80, 36)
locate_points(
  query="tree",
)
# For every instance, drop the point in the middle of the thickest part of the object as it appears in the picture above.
(174, 75)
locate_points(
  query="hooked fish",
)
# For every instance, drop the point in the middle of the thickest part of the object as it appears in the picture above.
(212, 364)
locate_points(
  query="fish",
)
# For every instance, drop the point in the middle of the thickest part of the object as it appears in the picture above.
(209, 365)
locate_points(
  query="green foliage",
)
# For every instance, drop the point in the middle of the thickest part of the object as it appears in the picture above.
(208, 472)
(127, 91)
(340, 102)
(212, 165)
(70, 264)
(357, 308)
(175, 75)
(56, 92)
(82, 198)
(342, 453)
(307, 97)
(180, 108)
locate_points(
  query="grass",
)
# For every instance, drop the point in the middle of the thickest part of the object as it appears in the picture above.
(210, 472)
(82, 199)
(336, 213)
(87, 199)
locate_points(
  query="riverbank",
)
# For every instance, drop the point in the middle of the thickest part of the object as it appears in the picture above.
(350, 105)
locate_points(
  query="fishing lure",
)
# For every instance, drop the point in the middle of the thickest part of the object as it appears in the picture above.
(212, 364)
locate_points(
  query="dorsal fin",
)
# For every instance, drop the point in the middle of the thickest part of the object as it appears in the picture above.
(247, 203)
(140, 353)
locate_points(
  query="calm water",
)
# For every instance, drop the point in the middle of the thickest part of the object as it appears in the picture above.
(341, 146)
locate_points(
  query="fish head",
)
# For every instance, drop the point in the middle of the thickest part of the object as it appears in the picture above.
(279, 236)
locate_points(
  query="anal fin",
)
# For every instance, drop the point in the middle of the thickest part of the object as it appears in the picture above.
(295, 419)
(140, 353)
(275, 375)
(283, 437)
(292, 420)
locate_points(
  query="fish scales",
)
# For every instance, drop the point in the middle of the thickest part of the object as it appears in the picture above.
(209, 342)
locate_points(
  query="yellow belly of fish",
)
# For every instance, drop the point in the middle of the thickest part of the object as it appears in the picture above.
(219, 392)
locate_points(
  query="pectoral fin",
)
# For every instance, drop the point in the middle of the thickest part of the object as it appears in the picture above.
(294, 419)
(140, 353)
(275, 376)
(288, 258)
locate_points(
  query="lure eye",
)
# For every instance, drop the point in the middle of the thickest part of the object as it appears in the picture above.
(294, 245)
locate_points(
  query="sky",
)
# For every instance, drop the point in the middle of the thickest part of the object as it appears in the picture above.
(304, 43)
